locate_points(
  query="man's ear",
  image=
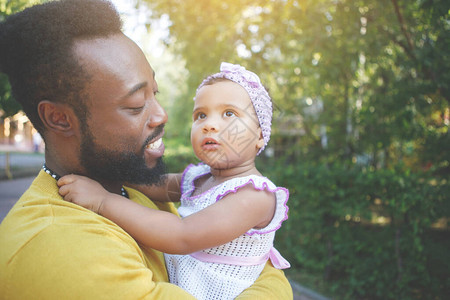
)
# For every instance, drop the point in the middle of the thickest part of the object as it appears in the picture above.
(57, 117)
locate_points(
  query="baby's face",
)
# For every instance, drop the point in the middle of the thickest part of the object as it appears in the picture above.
(225, 131)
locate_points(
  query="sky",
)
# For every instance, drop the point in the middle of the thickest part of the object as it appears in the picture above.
(134, 21)
(170, 69)
(132, 18)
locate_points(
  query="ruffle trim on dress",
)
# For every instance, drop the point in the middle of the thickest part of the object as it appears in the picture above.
(279, 216)
(190, 185)
(183, 178)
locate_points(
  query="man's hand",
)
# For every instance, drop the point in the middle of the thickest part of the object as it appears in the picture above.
(83, 191)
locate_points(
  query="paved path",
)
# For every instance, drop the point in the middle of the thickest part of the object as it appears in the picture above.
(19, 164)
(10, 191)
(21, 160)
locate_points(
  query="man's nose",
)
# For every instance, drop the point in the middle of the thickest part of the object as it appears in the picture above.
(158, 115)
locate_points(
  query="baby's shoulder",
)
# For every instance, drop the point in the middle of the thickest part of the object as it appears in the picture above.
(194, 171)
(250, 185)
(258, 182)
(198, 169)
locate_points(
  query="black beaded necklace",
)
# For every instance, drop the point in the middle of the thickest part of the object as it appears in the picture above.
(57, 177)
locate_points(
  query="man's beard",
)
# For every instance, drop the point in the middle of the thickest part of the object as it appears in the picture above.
(117, 166)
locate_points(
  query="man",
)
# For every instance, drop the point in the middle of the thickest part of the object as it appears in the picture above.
(90, 92)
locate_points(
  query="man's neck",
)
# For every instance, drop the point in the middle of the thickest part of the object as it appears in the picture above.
(61, 169)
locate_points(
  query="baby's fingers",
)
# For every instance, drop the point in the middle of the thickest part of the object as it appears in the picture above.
(67, 179)
(64, 191)
(66, 185)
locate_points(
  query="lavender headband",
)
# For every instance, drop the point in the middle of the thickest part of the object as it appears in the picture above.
(258, 94)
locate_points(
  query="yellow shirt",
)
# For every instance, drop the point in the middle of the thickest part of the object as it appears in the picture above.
(53, 249)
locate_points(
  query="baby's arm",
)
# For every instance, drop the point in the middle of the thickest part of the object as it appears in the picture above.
(84, 191)
(168, 191)
(217, 224)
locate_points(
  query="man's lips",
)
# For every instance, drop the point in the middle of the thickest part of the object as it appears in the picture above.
(155, 145)
(154, 141)
(155, 148)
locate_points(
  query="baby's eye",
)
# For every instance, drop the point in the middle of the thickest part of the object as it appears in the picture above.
(229, 113)
(200, 116)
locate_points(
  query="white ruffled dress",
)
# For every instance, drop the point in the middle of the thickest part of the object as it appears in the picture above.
(223, 272)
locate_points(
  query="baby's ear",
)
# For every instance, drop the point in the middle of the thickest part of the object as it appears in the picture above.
(260, 142)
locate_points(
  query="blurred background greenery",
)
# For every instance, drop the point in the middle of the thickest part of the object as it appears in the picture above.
(361, 91)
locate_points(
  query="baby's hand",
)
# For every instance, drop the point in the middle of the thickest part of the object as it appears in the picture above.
(82, 191)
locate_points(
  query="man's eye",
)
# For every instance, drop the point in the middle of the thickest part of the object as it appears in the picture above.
(136, 109)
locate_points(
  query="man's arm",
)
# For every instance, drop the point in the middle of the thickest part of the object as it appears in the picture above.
(271, 284)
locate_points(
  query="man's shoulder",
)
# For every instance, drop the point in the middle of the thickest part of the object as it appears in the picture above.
(48, 226)
(43, 222)
(59, 247)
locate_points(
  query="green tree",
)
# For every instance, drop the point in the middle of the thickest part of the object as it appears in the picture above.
(371, 76)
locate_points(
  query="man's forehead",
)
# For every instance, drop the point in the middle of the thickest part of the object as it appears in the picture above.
(114, 48)
(115, 55)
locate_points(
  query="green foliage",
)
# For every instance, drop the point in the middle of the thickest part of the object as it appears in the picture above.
(178, 155)
(368, 232)
(372, 76)
(7, 103)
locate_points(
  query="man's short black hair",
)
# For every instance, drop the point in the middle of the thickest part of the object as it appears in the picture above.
(36, 51)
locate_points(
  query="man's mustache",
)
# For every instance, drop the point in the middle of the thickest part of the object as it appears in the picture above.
(158, 131)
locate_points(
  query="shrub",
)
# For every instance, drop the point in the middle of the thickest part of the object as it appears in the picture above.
(370, 233)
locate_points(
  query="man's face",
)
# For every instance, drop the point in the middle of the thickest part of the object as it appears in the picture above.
(121, 141)
(116, 165)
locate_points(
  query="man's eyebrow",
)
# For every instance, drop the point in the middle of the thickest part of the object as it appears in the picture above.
(135, 88)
